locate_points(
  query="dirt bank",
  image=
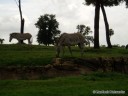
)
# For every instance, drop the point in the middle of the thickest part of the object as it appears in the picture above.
(65, 67)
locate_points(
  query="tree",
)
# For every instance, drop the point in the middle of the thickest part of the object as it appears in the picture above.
(108, 3)
(81, 28)
(48, 29)
(85, 30)
(126, 2)
(18, 2)
(100, 4)
(96, 20)
(106, 26)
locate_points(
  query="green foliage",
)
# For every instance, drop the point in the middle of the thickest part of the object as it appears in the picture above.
(85, 30)
(104, 2)
(65, 86)
(126, 3)
(48, 29)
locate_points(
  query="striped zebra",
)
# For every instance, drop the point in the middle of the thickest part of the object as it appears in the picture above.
(69, 40)
(1, 41)
(19, 37)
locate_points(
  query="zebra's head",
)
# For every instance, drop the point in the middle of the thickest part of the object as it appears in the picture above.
(12, 35)
(56, 40)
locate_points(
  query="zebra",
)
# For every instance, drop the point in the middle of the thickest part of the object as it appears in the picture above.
(1, 41)
(20, 37)
(69, 40)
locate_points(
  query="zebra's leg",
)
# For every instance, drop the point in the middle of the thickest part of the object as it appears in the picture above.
(29, 42)
(69, 47)
(57, 51)
(82, 50)
(63, 47)
(19, 41)
(81, 46)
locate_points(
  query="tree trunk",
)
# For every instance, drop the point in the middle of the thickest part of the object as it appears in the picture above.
(106, 26)
(22, 22)
(96, 24)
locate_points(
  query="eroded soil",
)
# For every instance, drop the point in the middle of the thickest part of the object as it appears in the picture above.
(65, 67)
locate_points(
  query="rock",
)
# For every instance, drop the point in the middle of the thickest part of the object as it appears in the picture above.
(57, 61)
(47, 67)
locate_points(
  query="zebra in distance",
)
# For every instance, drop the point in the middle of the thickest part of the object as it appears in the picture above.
(1, 41)
(19, 37)
(70, 40)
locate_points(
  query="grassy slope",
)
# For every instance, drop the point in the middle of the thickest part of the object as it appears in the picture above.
(66, 86)
(31, 55)
(20, 55)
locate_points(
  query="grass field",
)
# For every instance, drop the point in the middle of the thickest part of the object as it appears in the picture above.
(32, 55)
(67, 86)
(84, 85)
(25, 55)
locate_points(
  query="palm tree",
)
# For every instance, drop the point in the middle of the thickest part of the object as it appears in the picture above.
(96, 3)
(106, 26)
(100, 4)
(108, 3)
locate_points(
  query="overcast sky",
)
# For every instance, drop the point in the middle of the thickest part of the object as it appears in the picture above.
(69, 13)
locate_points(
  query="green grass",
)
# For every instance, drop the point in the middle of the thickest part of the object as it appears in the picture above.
(32, 55)
(28, 55)
(102, 52)
(66, 86)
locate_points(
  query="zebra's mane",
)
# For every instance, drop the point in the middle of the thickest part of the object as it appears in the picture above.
(14, 33)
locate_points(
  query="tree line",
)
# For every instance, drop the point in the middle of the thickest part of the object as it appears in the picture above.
(48, 29)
